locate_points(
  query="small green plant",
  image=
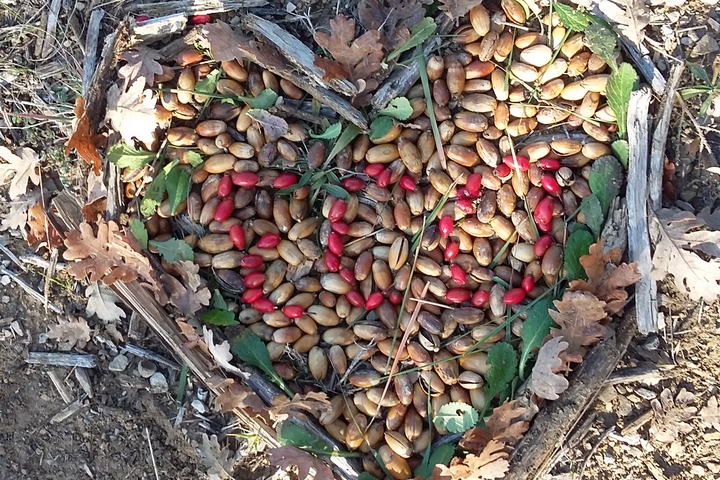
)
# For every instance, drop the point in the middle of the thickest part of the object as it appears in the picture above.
(708, 89)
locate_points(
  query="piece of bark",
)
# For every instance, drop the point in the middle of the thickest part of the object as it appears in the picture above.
(61, 359)
(156, 29)
(67, 412)
(193, 7)
(49, 42)
(60, 387)
(81, 374)
(637, 201)
(91, 44)
(532, 459)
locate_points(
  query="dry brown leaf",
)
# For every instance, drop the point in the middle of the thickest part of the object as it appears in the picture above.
(41, 232)
(217, 460)
(710, 414)
(83, 140)
(187, 301)
(490, 464)
(693, 275)
(23, 168)
(237, 395)
(506, 423)
(606, 280)
(394, 19)
(360, 57)
(627, 17)
(193, 338)
(132, 113)
(456, 8)
(671, 416)
(221, 353)
(17, 216)
(475, 439)
(314, 403)
(105, 256)
(309, 466)
(101, 301)
(71, 332)
(141, 62)
(544, 382)
(225, 44)
(578, 315)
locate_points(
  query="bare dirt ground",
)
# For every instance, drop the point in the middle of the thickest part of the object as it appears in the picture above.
(125, 430)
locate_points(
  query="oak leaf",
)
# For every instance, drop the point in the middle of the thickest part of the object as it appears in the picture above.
(456, 8)
(141, 62)
(102, 302)
(309, 466)
(507, 423)
(544, 382)
(578, 315)
(237, 395)
(628, 17)
(105, 256)
(41, 232)
(671, 415)
(710, 414)
(83, 140)
(22, 168)
(71, 332)
(225, 44)
(187, 300)
(17, 216)
(314, 403)
(194, 339)
(490, 464)
(394, 19)
(132, 113)
(217, 461)
(693, 275)
(359, 57)
(221, 353)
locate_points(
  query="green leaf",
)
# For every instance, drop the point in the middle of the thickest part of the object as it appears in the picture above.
(330, 133)
(690, 92)
(605, 179)
(194, 158)
(367, 476)
(380, 127)
(174, 250)
(221, 318)
(456, 417)
(177, 185)
(535, 328)
(218, 301)
(418, 35)
(574, 20)
(441, 455)
(125, 156)
(137, 227)
(699, 72)
(207, 84)
(398, 108)
(293, 434)
(577, 245)
(594, 217)
(621, 150)
(250, 349)
(704, 107)
(351, 131)
(336, 191)
(602, 42)
(619, 87)
(154, 194)
(265, 100)
(503, 367)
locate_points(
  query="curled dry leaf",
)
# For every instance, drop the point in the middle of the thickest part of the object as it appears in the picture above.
(41, 232)
(578, 315)
(102, 302)
(132, 113)
(21, 169)
(221, 353)
(226, 44)
(71, 332)
(544, 382)
(237, 395)
(507, 424)
(274, 126)
(710, 414)
(314, 403)
(83, 140)
(141, 62)
(671, 416)
(191, 333)
(309, 466)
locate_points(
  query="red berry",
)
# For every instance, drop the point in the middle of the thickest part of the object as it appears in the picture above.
(528, 284)
(245, 179)
(335, 243)
(480, 298)
(355, 298)
(550, 185)
(542, 245)
(464, 194)
(466, 206)
(408, 183)
(340, 227)
(337, 211)
(374, 301)
(225, 186)
(549, 164)
(451, 250)
(458, 295)
(513, 296)
(251, 295)
(395, 297)
(517, 162)
(446, 225)
(347, 275)
(264, 305)
(544, 211)
(200, 19)
(332, 262)
(545, 227)
(254, 279)
(251, 261)
(285, 180)
(474, 183)
(383, 180)
(142, 18)
(458, 274)
(224, 209)
(293, 311)
(502, 171)
(374, 169)
(237, 235)
(353, 184)
(268, 241)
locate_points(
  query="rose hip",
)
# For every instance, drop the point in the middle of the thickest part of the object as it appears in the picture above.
(480, 298)
(473, 184)
(340, 227)
(353, 184)
(374, 169)
(347, 275)
(293, 311)
(549, 164)
(446, 225)
(542, 245)
(332, 262)
(285, 180)
(458, 295)
(502, 171)
(383, 180)
(458, 274)
(550, 185)
(224, 209)
(142, 18)
(225, 186)
(254, 279)
(251, 261)
(200, 19)
(408, 183)
(335, 243)
(466, 206)
(544, 211)
(373, 301)
(395, 297)
(269, 240)
(464, 194)
(451, 250)
(517, 162)
(355, 298)
(337, 211)
(513, 296)
(264, 305)
(528, 284)
(251, 295)
(245, 179)
(237, 236)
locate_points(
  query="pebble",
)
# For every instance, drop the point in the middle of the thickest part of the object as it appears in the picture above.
(5, 299)
(146, 368)
(158, 383)
(705, 45)
(119, 363)
(5, 280)
(199, 406)
(645, 393)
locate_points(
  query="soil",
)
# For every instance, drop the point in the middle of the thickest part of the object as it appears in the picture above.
(126, 430)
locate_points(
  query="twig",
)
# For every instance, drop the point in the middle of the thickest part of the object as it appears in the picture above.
(49, 274)
(51, 27)
(61, 359)
(60, 387)
(594, 448)
(12, 257)
(37, 261)
(30, 290)
(686, 111)
(152, 454)
(149, 355)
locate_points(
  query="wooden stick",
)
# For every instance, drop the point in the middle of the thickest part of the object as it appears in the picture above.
(91, 44)
(637, 199)
(61, 359)
(194, 7)
(50, 30)
(60, 387)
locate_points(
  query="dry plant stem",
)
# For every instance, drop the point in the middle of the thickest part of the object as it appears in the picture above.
(533, 457)
(12, 257)
(152, 454)
(657, 152)
(637, 198)
(50, 30)
(28, 289)
(687, 113)
(594, 449)
(61, 359)
(192, 7)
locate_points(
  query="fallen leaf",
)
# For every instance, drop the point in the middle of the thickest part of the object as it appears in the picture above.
(475, 439)
(671, 416)
(23, 168)
(314, 403)
(83, 140)
(237, 395)
(578, 315)
(225, 44)
(92, 211)
(141, 62)
(710, 414)
(693, 275)
(105, 256)
(71, 332)
(274, 126)
(490, 464)
(41, 232)
(216, 460)
(102, 302)
(628, 17)
(507, 424)
(221, 353)
(132, 113)
(96, 189)
(189, 272)
(17, 216)
(456, 8)
(309, 466)
(193, 338)
(544, 382)
(394, 19)
(187, 301)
